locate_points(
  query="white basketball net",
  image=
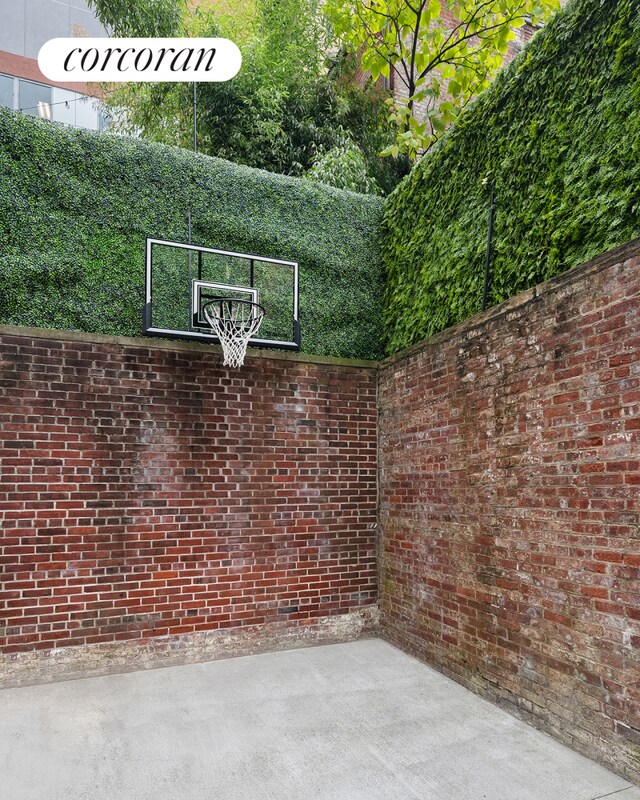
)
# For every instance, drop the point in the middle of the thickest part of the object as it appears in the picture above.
(234, 323)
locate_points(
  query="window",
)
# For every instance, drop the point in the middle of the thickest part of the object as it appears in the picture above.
(34, 99)
(86, 112)
(105, 119)
(529, 21)
(53, 103)
(64, 106)
(6, 91)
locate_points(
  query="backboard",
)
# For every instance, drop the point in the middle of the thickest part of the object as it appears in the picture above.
(182, 278)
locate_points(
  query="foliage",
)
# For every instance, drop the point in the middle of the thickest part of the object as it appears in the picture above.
(560, 131)
(444, 53)
(285, 107)
(344, 167)
(140, 17)
(76, 207)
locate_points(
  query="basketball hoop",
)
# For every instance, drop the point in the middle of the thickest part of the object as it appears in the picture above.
(234, 321)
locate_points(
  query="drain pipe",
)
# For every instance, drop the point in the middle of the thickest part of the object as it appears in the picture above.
(488, 182)
(195, 145)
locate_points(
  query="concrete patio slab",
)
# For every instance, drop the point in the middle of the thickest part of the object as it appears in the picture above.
(358, 721)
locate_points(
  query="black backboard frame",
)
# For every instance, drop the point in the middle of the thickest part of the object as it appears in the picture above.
(149, 329)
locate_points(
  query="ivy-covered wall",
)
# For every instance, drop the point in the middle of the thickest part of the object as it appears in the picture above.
(76, 207)
(560, 132)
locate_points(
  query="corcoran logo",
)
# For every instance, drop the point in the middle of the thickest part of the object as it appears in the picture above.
(128, 60)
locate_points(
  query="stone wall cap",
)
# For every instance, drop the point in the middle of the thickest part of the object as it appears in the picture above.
(153, 343)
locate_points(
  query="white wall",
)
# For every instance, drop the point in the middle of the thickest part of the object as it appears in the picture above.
(25, 25)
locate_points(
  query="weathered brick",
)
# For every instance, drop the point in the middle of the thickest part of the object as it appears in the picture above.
(509, 493)
(124, 490)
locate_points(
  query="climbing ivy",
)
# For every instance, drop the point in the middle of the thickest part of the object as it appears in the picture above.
(559, 134)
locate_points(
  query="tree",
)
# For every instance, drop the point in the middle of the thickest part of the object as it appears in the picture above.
(294, 100)
(344, 167)
(444, 52)
(140, 17)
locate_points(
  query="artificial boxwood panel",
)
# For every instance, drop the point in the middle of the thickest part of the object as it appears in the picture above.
(76, 207)
(560, 132)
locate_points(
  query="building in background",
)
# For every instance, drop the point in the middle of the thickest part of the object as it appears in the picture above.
(25, 25)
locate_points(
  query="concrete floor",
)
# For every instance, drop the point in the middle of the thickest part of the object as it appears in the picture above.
(358, 721)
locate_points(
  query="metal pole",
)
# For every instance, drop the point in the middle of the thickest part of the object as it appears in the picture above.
(195, 111)
(195, 150)
(487, 265)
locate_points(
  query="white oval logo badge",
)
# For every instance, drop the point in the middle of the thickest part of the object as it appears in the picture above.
(108, 60)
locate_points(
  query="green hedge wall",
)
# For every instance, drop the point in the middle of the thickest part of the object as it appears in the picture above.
(560, 131)
(76, 207)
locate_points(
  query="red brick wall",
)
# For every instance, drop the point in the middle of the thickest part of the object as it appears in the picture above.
(510, 505)
(148, 491)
